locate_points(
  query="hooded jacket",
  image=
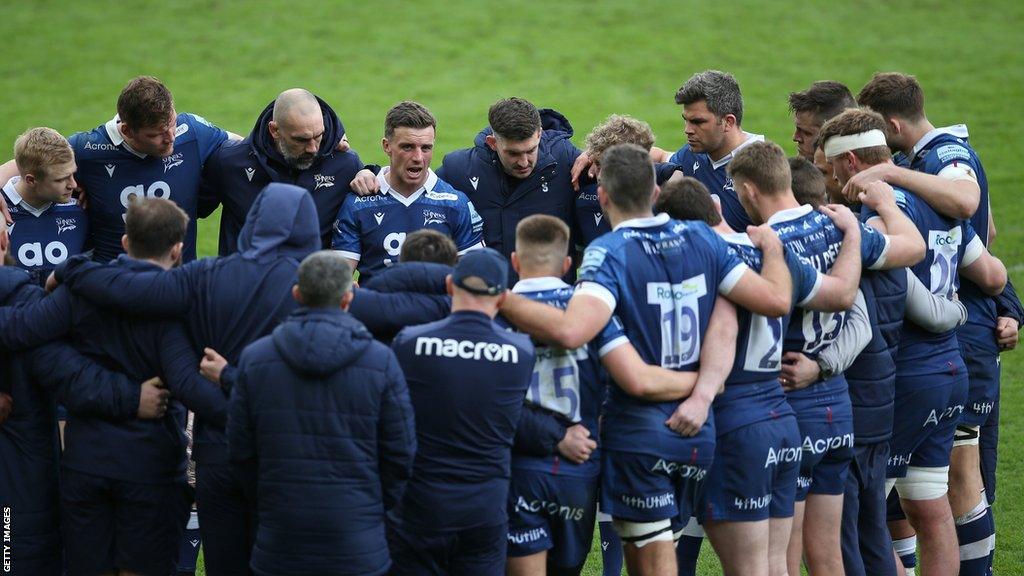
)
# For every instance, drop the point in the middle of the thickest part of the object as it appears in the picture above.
(477, 171)
(236, 173)
(406, 294)
(227, 302)
(320, 400)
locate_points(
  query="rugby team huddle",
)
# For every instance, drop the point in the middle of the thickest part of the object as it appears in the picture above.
(796, 357)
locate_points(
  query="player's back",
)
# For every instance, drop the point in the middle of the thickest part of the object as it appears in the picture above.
(467, 379)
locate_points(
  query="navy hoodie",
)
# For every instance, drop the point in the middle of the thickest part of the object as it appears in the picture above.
(144, 451)
(227, 302)
(236, 173)
(477, 171)
(406, 294)
(325, 411)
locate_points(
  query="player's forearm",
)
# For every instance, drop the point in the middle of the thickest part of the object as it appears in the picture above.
(545, 323)
(954, 198)
(853, 338)
(641, 380)
(659, 154)
(931, 312)
(779, 299)
(906, 246)
(718, 351)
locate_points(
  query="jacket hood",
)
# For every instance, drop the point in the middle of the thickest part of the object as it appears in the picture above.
(319, 342)
(554, 127)
(264, 146)
(11, 281)
(281, 223)
(419, 277)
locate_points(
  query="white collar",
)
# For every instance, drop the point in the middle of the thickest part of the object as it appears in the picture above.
(539, 284)
(386, 188)
(958, 130)
(11, 190)
(646, 222)
(790, 214)
(114, 133)
(738, 238)
(751, 138)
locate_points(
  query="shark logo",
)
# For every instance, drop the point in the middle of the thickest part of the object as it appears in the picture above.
(65, 225)
(475, 181)
(597, 218)
(323, 181)
(431, 217)
(110, 169)
(250, 172)
(173, 161)
(379, 217)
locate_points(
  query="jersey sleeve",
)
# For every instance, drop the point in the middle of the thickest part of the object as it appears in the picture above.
(729, 265)
(873, 247)
(677, 158)
(346, 231)
(597, 275)
(611, 337)
(470, 228)
(806, 278)
(954, 162)
(208, 136)
(973, 246)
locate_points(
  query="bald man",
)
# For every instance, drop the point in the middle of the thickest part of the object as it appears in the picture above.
(297, 139)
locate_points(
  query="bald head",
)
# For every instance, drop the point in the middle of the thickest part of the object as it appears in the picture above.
(297, 127)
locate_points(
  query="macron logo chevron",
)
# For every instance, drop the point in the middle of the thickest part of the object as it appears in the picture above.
(110, 169)
(597, 218)
(379, 217)
(250, 172)
(475, 181)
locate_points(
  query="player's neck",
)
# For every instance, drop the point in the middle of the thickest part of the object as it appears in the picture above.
(723, 228)
(914, 132)
(402, 188)
(770, 205)
(28, 195)
(466, 303)
(732, 141)
(615, 217)
(528, 274)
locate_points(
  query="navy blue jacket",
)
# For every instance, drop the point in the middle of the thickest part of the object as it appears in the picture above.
(548, 190)
(146, 451)
(325, 412)
(227, 302)
(1008, 304)
(872, 376)
(406, 294)
(236, 173)
(467, 380)
(29, 446)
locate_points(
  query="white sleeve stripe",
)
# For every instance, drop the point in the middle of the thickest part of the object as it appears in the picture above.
(350, 255)
(597, 291)
(972, 252)
(880, 262)
(818, 280)
(731, 279)
(612, 345)
(476, 246)
(961, 170)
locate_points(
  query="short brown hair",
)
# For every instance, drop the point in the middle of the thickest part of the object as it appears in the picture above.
(688, 199)
(39, 148)
(428, 245)
(154, 226)
(144, 103)
(824, 99)
(542, 241)
(855, 122)
(514, 119)
(619, 129)
(627, 176)
(764, 165)
(893, 94)
(408, 114)
(808, 183)
(719, 91)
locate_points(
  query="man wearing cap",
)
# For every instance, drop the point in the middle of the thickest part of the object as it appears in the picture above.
(467, 379)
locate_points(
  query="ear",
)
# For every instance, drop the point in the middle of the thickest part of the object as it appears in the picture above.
(449, 286)
(492, 142)
(730, 121)
(386, 146)
(602, 197)
(275, 133)
(655, 194)
(895, 126)
(501, 300)
(566, 265)
(125, 131)
(346, 300)
(125, 243)
(515, 262)
(176, 251)
(296, 295)
(30, 179)
(718, 205)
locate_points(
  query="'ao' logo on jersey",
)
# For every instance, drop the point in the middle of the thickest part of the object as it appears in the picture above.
(393, 243)
(173, 161)
(431, 217)
(34, 254)
(158, 189)
(466, 349)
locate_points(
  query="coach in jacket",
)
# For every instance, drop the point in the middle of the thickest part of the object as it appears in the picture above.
(324, 411)
(296, 140)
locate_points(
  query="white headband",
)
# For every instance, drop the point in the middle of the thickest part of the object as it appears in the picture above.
(837, 145)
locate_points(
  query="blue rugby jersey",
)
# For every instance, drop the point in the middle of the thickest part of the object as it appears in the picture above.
(946, 149)
(814, 237)
(111, 173)
(42, 239)
(660, 277)
(752, 391)
(951, 244)
(371, 229)
(570, 383)
(715, 176)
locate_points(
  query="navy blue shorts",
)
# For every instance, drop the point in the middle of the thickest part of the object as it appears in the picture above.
(114, 525)
(866, 545)
(754, 474)
(827, 452)
(471, 552)
(925, 420)
(645, 488)
(983, 371)
(553, 513)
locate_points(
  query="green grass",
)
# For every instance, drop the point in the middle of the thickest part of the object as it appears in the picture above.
(65, 63)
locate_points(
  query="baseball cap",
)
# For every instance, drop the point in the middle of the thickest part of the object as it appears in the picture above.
(488, 266)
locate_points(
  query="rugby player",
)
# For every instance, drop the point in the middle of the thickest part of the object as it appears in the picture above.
(369, 230)
(812, 107)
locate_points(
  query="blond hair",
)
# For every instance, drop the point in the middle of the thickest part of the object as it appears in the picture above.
(39, 148)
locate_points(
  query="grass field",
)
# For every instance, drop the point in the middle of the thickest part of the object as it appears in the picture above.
(66, 62)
